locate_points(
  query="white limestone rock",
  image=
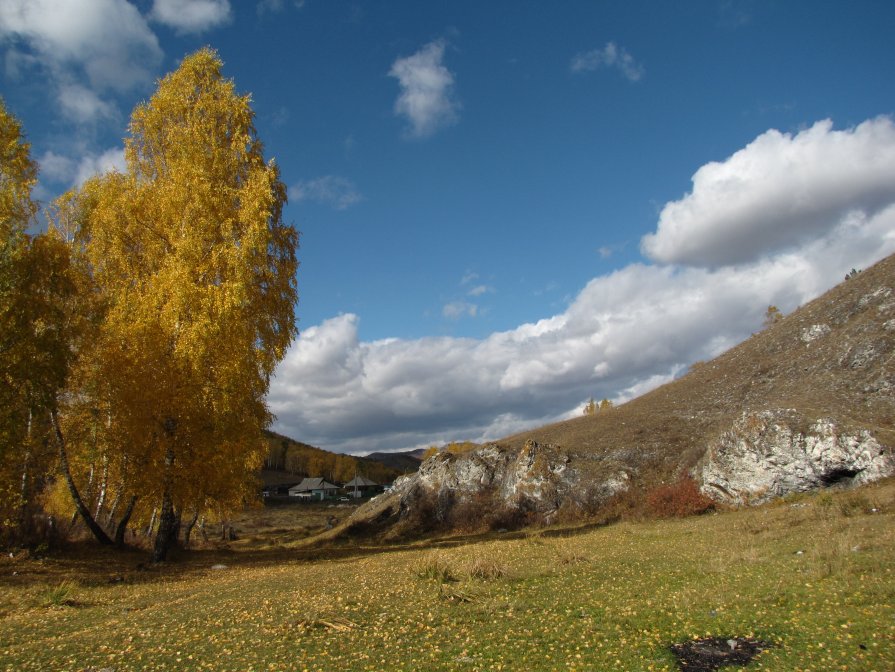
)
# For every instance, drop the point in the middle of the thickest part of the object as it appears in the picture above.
(764, 455)
(814, 332)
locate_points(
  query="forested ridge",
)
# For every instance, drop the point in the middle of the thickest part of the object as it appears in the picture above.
(301, 459)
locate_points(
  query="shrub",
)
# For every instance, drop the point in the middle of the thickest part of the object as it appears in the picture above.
(678, 500)
(435, 568)
(485, 568)
(59, 595)
(473, 513)
(856, 503)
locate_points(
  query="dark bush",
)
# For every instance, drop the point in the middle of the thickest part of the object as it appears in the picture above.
(678, 500)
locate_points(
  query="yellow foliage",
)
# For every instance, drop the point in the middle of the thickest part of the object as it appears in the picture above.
(459, 447)
(772, 315)
(193, 273)
(36, 328)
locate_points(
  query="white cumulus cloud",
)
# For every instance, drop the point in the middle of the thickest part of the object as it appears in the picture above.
(96, 164)
(83, 105)
(427, 99)
(61, 169)
(610, 56)
(337, 192)
(57, 167)
(622, 335)
(191, 16)
(108, 42)
(779, 191)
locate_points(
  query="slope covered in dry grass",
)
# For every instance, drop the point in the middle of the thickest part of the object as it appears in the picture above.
(831, 358)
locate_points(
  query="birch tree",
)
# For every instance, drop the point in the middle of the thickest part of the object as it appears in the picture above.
(196, 269)
(37, 330)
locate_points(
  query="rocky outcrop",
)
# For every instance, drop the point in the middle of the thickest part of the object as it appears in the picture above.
(773, 453)
(491, 486)
(488, 485)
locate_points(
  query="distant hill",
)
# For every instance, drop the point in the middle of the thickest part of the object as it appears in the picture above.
(405, 461)
(806, 402)
(289, 460)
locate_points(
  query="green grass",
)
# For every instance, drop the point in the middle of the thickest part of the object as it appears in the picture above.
(613, 598)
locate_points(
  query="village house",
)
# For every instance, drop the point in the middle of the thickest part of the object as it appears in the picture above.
(313, 488)
(360, 486)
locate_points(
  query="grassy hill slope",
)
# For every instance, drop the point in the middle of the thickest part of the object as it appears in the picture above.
(831, 358)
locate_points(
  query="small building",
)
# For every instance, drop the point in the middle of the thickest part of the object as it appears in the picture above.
(313, 488)
(360, 486)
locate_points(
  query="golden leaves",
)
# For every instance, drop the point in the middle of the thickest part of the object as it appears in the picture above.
(196, 270)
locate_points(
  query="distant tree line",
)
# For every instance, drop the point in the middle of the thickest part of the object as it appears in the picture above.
(300, 459)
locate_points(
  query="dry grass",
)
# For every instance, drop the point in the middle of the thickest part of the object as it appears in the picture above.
(813, 575)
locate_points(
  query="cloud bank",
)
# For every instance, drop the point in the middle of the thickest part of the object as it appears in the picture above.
(89, 52)
(427, 98)
(61, 169)
(624, 333)
(85, 47)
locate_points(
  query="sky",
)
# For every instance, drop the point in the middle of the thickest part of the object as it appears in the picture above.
(506, 207)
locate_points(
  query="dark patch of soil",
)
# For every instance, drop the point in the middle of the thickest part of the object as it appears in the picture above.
(713, 653)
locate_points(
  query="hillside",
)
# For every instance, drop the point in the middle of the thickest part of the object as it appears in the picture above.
(815, 580)
(831, 358)
(822, 378)
(404, 461)
(289, 460)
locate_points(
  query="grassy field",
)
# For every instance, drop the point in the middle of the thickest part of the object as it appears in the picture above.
(811, 575)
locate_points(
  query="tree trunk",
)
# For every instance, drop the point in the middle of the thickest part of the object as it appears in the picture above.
(110, 516)
(103, 487)
(87, 496)
(151, 525)
(24, 491)
(122, 524)
(80, 507)
(167, 525)
(189, 529)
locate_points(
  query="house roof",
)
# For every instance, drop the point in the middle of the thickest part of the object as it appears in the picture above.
(309, 484)
(361, 482)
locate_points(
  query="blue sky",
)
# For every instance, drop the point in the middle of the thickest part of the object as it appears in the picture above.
(507, 207)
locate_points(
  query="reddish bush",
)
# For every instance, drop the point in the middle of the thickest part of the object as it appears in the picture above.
(678, 500)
